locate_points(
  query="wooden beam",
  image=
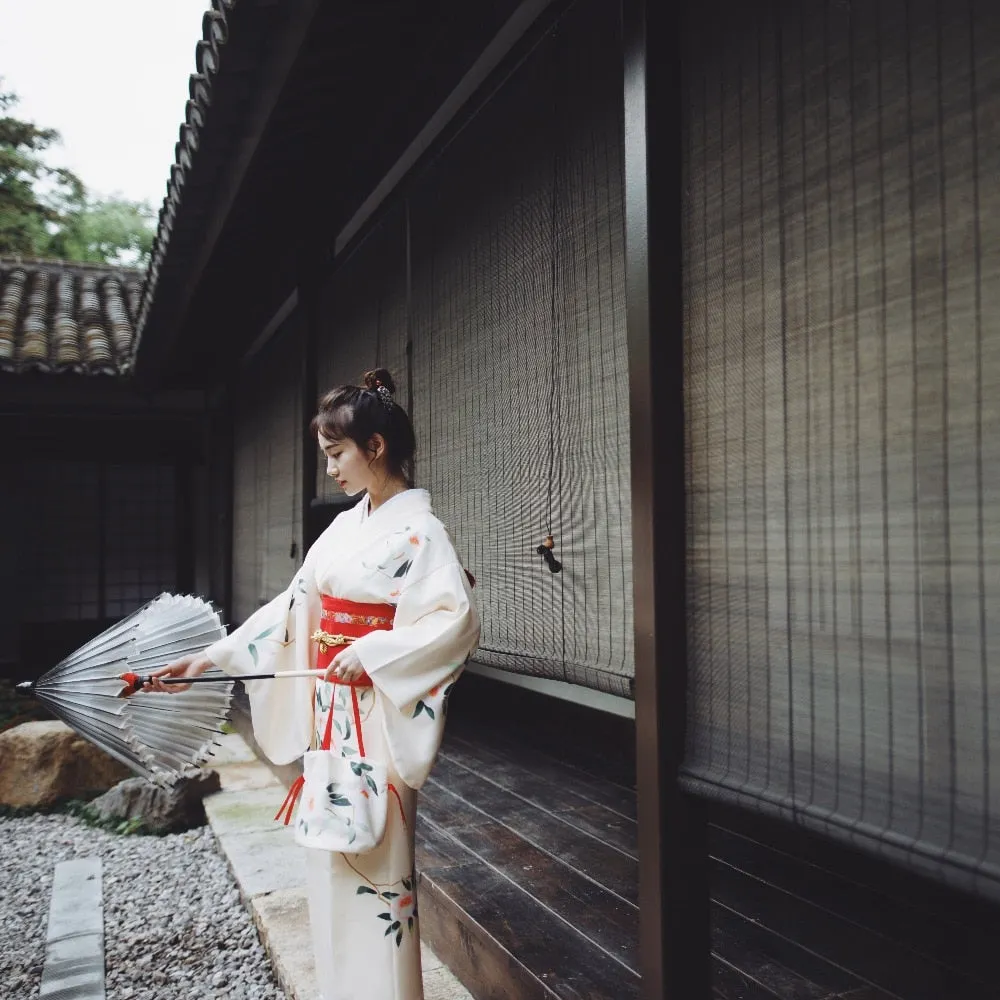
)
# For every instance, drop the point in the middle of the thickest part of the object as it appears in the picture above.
(271, 328)
(516, 27)
(673, 896)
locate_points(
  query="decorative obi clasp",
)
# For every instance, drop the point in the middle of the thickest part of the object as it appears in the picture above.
(327, 640)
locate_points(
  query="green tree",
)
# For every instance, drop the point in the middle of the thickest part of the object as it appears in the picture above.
(26, 214)
(46, 211)
(105, 231)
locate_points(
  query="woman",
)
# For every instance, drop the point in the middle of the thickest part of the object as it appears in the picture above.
(383, 604)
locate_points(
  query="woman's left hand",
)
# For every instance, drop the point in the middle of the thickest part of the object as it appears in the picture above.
(346, 667)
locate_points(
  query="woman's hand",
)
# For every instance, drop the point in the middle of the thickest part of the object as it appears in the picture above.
(187, 666)
(346, 667)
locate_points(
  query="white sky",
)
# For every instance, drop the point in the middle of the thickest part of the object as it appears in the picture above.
(111, 76)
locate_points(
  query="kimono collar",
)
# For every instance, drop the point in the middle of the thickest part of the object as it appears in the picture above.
(402, 504)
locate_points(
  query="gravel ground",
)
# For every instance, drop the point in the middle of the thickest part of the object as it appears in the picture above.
(174, 926)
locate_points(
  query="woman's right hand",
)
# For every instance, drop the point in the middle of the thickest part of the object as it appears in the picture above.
(187, 666)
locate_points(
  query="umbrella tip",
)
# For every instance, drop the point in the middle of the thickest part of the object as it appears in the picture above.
(26, 687)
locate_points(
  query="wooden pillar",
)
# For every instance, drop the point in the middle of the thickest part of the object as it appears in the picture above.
(673, 849)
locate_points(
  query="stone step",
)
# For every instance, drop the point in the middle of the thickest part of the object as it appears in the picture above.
(74, 946)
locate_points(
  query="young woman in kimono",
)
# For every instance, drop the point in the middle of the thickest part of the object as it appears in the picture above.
(384, 604)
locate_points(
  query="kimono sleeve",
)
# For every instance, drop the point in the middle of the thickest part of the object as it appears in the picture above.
(414, 664)
(273, 638)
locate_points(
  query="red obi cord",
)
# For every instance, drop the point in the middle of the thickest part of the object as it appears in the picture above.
(288, 806)
(342, 619)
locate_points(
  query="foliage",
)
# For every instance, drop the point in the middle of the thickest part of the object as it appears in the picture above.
(106, 231)
(83, 811)
(47, 212)
(125, 827)
(25, 212)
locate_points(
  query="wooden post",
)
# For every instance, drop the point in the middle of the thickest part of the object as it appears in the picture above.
(673, 892)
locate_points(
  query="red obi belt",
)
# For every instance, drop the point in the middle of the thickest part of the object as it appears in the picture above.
(342, 622)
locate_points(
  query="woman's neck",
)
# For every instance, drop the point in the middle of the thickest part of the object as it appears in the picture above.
(377, 495)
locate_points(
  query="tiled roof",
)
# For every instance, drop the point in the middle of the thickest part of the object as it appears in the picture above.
(215, 33)
(59, 317)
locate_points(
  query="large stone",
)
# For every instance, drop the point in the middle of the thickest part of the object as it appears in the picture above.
(42, 763)
(160, 808)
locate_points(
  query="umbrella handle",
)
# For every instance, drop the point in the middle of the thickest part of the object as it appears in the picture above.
(137, 682)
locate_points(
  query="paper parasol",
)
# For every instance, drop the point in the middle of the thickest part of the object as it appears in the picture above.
(157, 735)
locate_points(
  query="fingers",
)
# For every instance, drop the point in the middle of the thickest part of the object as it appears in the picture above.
(179, 668)
(166, 688)
(155, 684)
(175, 669)
(333, 670)
(342, 668)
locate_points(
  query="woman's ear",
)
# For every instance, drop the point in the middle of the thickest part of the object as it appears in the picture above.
(376, 447)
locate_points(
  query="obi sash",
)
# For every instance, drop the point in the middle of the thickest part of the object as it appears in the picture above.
(341, 623)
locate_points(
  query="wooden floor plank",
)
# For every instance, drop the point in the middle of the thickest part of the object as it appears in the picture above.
(559, 957)
(588, 787)
(607, 921)
(586, 853)
(593, 742)
(870, 993)
(610, 827)
(875, 960)
(794, 974)
(964, 948)
(731, 983)
(434, 850)
(584, 818)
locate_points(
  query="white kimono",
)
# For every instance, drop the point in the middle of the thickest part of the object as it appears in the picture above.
(362, 908)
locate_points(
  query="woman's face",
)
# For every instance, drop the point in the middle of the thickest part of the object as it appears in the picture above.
(348, 464)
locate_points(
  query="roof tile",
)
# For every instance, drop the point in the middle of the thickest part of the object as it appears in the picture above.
(58, 317)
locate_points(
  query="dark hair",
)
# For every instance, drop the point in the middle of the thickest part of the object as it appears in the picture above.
(360, 412)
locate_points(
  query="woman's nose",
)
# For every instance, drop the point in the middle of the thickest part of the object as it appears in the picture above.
(331, 469)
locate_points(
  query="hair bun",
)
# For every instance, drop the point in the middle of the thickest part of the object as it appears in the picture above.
(380, 378)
